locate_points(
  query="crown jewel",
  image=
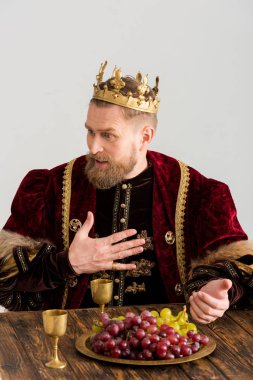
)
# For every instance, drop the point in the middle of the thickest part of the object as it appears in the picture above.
(142, 101)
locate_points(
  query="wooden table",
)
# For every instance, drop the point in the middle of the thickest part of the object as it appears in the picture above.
(24, 348)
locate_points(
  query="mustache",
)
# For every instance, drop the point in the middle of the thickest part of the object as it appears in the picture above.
(98, 157)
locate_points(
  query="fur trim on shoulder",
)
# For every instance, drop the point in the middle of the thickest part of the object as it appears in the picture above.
(232, 251)
(9, 240)
(3, 309)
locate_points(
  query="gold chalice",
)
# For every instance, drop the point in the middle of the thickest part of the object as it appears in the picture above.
(101, 291)
(55, 324)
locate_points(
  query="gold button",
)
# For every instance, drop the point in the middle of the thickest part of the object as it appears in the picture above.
(116, 297)
(123, 205)
(124, 186)
(122, 220)
(116, 280)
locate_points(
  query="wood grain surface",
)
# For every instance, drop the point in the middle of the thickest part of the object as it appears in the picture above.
(24, 350)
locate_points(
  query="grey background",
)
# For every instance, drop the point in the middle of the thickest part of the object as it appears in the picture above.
(202, 49)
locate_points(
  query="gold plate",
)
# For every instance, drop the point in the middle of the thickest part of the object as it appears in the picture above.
(83, 345)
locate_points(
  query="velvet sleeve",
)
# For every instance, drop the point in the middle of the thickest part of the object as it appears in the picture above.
(29, 213)
(49, 269)
(216, 219)
(240, 272)
(202, 274)
(32, 216)
(28, 271)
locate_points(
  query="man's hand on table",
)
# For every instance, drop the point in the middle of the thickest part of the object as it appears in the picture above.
(211, 301)
(88, 255)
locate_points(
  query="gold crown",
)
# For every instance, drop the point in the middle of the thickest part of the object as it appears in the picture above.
(142, 102)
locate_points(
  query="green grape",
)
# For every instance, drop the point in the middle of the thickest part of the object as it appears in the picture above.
(173, 318)
(96, 327)
(168, 321)
(187, 327)
(175, 326)
(182, 316)
(154, 313)
(159, 321)
(191, 326)
(120, 318)
(165, 313)
(183, 331)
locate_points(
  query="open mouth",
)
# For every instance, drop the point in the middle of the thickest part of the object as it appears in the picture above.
(100, 163)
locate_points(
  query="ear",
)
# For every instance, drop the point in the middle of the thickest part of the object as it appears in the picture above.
(147, 134)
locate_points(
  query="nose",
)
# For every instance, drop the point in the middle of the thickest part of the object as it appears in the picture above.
(95, 145)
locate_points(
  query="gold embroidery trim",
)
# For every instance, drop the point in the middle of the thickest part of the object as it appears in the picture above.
(123, 227)
(22, 259)
(180, 219)
(148, 240)
(143, 268)
(66, 197)
(243, 267)
(135, 288)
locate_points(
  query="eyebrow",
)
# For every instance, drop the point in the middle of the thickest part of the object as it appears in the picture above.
(101, 130)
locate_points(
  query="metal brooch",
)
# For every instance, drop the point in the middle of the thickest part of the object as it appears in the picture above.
(170, 237)
(75, 225)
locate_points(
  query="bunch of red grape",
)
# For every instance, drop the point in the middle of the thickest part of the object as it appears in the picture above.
(137, 337)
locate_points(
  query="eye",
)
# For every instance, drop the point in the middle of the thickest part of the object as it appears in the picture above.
(90, 132)
(107, 135)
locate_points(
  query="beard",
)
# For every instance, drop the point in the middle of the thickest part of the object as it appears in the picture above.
(112, 174)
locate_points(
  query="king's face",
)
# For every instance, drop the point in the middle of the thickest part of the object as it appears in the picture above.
(111, 138)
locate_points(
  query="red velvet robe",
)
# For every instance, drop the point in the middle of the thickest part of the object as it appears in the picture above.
(210, 220)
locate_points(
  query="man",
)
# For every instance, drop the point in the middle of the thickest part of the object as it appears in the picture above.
(126, 213)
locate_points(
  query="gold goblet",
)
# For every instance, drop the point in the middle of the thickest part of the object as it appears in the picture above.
(101, 291)
(55, 324)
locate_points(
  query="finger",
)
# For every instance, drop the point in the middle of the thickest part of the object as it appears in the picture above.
(85, 229)
(204, 310)
(119, 266)
(118, 255)
(113, 265)
(199, 314)
(226, 284)
(130, 252)
(199, 319)
(116, 248)
(118, 236)
(212, 302)
(217, 288)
